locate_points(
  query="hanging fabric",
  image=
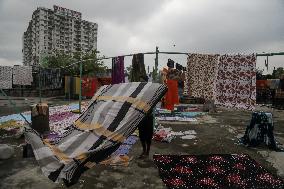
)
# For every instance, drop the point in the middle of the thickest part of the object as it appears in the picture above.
(273, 83)
(22, 75)
(89, 86)
(186, 87)
(236, 81)
(6, 73)
(138, 73)
(171, 97)
(201, 73)
(51, 78)
(118, 70)
(112, 117)
(281, 84)
(261, 84)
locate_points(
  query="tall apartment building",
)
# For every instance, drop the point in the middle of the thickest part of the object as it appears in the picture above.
(60, 29)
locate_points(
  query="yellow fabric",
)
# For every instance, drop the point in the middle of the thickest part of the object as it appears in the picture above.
(90, 164)
(99, 130)
(77, 85)
(122, 160)
(57, 152)
(67, 83)
(136, 103)
(11, 123)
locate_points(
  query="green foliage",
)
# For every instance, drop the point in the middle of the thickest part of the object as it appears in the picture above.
(278, 73)
(90, 64)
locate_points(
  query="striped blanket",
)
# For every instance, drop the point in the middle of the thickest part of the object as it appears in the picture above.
(114, 114)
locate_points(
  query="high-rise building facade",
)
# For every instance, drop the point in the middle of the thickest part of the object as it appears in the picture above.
(60, 29)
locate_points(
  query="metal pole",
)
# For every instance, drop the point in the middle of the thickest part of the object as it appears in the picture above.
(15, 107)
(39, 79)
(80, 91)
(69, 87)
(155, 71)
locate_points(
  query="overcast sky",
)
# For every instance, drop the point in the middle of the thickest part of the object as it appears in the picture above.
(132, 26)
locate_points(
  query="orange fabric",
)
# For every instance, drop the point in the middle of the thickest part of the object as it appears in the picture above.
(171, 97)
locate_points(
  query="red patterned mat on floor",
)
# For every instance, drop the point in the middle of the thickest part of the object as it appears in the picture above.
(214, 171)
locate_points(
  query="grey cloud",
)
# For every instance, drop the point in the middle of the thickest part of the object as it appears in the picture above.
(128, 26)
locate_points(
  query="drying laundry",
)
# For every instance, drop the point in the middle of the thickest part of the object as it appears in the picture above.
(273, 83)
(214, 171)
(50, 78)
(176, 118)
(236, 81)
(188, 137)
(186, 84)
(261, 84)
(126, 146)
(114, 114)
(6, 73)
(163, 134)
(201, 69)
(171, 97)
(22, 75)
(281, 84)
(118, 70)
(138, 73)
(89, 86)
(260, 130)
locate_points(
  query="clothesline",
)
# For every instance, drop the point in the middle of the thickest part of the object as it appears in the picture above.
(161, 52)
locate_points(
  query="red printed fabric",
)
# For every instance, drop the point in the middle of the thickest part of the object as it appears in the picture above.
(236, 81)
(201, 73)
(89, 86)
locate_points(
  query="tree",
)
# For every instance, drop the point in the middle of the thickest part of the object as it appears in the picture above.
(259, 74)
(70, 63)
(278, 73)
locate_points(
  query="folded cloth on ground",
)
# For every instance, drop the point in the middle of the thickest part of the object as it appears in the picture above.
(121, 160)
(176, 118)
(114, 114)
(122, 150)
(131, 140)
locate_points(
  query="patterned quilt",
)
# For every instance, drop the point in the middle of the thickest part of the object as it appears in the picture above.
(201, 69)
(22, 75)
(6, 77)
(236, 81)
(113, 115)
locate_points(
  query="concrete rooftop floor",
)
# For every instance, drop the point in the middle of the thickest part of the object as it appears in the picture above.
(216, 133)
